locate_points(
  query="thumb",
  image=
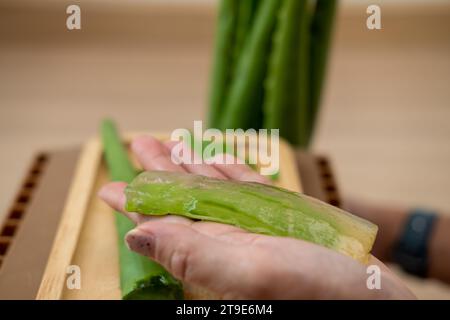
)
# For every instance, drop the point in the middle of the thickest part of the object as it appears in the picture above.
(190, 256)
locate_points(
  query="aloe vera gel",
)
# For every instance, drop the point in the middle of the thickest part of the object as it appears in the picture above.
(251, 206)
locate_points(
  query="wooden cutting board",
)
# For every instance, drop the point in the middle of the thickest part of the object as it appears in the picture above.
(86, 236)
(34, 215)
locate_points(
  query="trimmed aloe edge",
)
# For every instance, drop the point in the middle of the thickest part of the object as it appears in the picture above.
(321, 31)
(140, 278)
(243, 105)
(254, 207)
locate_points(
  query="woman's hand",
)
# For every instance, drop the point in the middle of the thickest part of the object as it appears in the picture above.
(232, 263)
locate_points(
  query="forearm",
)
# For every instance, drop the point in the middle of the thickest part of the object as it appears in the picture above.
(439, 252)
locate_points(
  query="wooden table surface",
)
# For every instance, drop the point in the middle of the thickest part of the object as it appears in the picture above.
(385, 122)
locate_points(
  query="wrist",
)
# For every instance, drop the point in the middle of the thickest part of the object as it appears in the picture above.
(390, 230)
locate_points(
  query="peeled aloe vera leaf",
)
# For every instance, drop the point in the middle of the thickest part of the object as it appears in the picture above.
(251, 206)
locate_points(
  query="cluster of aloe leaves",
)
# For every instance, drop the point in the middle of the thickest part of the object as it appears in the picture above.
(269, 65)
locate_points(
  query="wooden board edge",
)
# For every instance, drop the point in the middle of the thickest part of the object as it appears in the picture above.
(69, 228)
(71, 222)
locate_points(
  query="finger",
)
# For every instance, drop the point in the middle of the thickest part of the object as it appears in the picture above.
(153, 155)
(235, 171)
(226, 233)
(202, 168)
(393, 280)
(190, 256)
(113, 194)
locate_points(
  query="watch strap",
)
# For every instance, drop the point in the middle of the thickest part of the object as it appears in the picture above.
(411, 249)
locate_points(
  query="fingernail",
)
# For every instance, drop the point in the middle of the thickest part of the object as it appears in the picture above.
(140, 242)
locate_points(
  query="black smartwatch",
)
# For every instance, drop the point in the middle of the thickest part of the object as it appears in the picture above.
(411, 249)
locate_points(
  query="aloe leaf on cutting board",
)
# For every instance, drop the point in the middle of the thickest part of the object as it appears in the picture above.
(254, 207)
(140, 278)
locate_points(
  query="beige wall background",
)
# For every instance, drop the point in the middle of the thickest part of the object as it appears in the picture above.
(385, 119)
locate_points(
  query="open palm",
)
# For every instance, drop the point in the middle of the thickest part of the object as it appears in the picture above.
(232, 263)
